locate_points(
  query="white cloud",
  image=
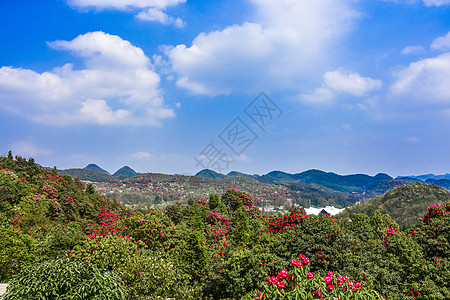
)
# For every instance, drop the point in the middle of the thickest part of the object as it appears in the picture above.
(28, 148)
(441, 43)
(436, 2)
(426, 80)
(413, 50)
(340, 81)
(350, 82)
(147, 10)
(117, 86)
(318, 96)
(141, 155)
(285, 43)
(156, 14)
(96, 110)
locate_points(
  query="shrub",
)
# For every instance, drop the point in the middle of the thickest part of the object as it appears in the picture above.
(64, 279)
(300, 283)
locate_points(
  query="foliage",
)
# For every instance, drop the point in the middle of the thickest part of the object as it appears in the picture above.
(64, 279)
(300, 283)
(16, 251)
(405, 203)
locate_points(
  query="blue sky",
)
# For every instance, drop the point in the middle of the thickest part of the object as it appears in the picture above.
(173, 86)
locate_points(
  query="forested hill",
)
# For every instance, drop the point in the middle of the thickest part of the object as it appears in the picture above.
(277, 188)
(405, 204)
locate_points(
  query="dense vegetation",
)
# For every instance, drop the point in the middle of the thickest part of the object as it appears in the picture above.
(405, 204)
(61, 240)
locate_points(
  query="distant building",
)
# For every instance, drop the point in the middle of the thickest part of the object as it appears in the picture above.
(323, 210)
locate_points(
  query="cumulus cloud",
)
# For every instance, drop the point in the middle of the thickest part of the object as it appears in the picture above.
(341, 81)
(156, 14)
(441, 43)
(284, 43)
(318, 96)
(426, 80)
(147, 10)
(350, 82)
(117, 86)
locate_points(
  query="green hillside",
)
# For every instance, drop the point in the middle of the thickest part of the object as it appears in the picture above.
(405, 203)
(125, 172)
(94, 167)
(88, 175)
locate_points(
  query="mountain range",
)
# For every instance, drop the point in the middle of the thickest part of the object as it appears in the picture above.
(276, 188)
(425, 177)
(122, 173)
(351, 184)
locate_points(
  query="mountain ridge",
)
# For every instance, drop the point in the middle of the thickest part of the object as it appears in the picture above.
(405, 203)
(125, 172)
(94, 167)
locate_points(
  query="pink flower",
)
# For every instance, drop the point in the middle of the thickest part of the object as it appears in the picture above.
(296, 263)
(330, 287)
(283, 274)
(310, 275)
(272, 280)
(280, 284)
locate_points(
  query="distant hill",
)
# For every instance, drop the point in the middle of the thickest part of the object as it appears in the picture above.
(405, 203)
(125, 172)
(206, 173)
(277, 188)
(87, 175)
(446, 176)
(94, 167)
(153, 188)
(356, 184)
(351, 184)
(425, 177)
(445, 183)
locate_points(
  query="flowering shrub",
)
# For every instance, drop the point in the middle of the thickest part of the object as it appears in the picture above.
(154, 229)
(390, 232)
(218, 227)
(280, 224)
(300, 283)
(235, 199)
